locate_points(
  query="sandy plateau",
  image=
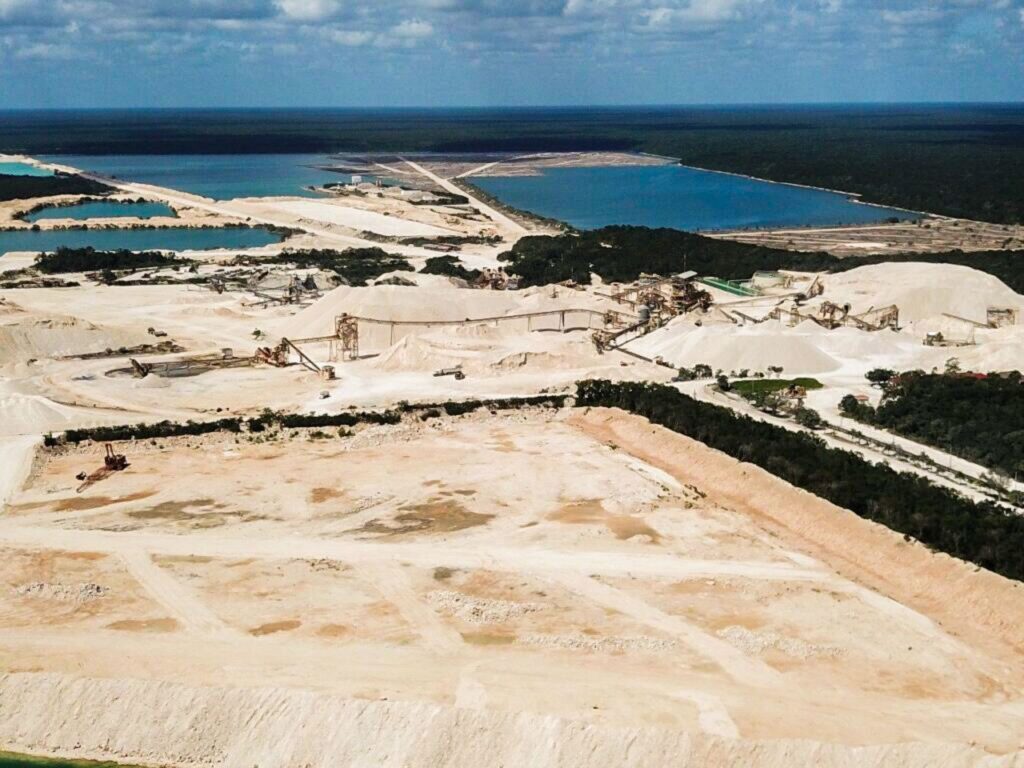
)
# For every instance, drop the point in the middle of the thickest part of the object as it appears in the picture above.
(407, 577)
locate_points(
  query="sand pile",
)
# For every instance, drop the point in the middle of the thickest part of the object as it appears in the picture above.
(421, 280)
(22, 414)
(175, 725)
(486, 350)
(427, 303)
(921, 290)
(731, 348)
(997, 350)
(59, 336)
(951, 328)
(15, 462)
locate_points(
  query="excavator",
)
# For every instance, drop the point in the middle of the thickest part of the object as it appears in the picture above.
(112, 462)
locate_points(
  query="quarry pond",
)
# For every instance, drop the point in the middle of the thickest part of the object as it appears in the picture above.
(164, 239)
(219, 177)
(22, 169)
(677, 197)
(101, 209)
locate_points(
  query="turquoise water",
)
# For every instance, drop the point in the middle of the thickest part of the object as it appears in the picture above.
(170, 239)
(22, 169)
(102, 210)
(676, 197)
(220, 177)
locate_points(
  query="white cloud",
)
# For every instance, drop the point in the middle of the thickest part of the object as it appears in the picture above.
(413, 29)
(309, 10)
(348, 37)
(695, 13)
(913, 16)
(50, 51)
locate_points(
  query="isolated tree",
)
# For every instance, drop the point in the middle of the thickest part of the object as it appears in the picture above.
(855, 409)
(685, 374)
(879, 376)
(808, 417)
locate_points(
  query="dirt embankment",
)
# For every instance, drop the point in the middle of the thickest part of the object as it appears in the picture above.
(205, 727)
(963, 599)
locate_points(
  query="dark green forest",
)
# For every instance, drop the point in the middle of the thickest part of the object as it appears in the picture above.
(981, 420)
(90, 260)
(957, 160)
(622, 253)
(986, 534)
(28, 187)
(355, 265)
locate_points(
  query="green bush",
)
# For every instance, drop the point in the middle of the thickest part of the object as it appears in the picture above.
(450, 266)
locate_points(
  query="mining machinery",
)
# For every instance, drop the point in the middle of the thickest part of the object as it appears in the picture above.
(112, 462)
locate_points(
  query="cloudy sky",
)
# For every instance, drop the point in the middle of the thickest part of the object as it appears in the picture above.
(81, 53)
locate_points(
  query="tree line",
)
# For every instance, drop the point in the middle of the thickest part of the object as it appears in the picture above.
(270, 419)
(623, 253)
(28, 187)
(978, 419)
(984, 533)
(90, 260)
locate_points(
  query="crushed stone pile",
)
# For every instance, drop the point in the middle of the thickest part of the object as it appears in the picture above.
(477, 610)
(759, 642)
(78, 593)
(576, 641)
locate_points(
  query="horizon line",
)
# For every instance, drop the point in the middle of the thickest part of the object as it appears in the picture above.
(510, 107)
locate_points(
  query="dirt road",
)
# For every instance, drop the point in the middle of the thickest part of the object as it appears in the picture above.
(493, 214)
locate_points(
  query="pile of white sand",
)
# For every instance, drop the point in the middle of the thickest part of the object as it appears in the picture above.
(1001, 349)
(921, 290)
(15, 462)
(427, 303)
(485, 350)
(59, 336)
(27, 414)
(733, 348)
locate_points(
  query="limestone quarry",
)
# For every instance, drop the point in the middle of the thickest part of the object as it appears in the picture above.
(537, 586)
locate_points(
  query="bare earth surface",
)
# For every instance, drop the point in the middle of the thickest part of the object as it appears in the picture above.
(532, 589)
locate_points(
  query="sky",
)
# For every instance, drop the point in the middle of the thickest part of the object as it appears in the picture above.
(442, 53)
